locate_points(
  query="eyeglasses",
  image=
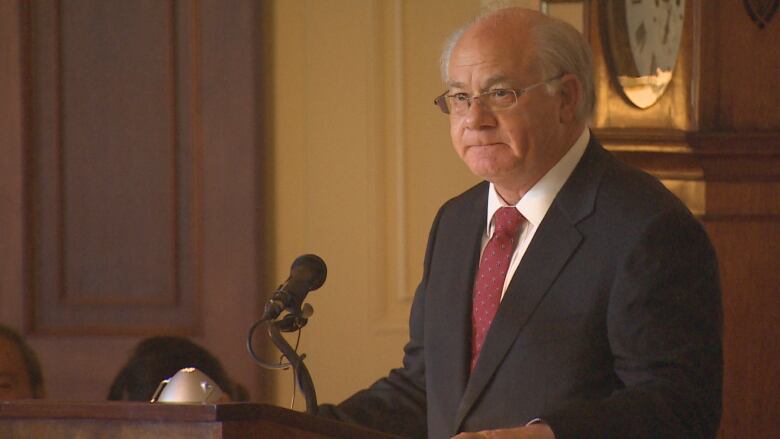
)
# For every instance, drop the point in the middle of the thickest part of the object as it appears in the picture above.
(493, 100)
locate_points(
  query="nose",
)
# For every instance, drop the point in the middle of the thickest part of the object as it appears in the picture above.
(478, 115)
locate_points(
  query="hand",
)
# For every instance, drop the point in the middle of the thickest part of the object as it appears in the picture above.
(533, 431)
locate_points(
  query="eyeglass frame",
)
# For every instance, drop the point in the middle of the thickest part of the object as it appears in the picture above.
(441, 100)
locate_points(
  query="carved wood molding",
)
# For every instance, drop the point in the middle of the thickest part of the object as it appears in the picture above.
(709, 156)
(761, 11)
(714, 174)
(726, 156)
(665, 154)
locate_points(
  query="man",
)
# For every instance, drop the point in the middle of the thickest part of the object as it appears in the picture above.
(569, 295)
(20, 371)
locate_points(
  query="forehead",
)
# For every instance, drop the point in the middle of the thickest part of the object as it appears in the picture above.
(491, 52)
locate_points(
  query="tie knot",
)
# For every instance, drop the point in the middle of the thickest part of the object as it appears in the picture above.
(508, 220)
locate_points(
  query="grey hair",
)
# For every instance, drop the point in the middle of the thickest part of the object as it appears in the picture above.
(449, 44)
(560, 49)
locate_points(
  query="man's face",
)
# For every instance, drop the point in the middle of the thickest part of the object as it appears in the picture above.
(14, 379)
(513, 147)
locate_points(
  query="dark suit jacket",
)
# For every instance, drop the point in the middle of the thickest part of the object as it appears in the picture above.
(610, 327)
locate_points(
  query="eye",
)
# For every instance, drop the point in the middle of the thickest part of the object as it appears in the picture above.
(459, 97)
(501, 93)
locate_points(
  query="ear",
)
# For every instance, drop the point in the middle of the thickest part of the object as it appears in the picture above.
(570, 91)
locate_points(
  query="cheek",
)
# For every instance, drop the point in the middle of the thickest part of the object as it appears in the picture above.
(527, 128)
(455, 128)
(456, 135)
(516, 132)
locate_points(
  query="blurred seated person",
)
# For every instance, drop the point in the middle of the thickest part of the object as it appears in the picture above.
(20, 371)
(159, 358)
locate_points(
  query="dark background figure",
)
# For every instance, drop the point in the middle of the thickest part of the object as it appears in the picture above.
(158, 358)
(20, 371)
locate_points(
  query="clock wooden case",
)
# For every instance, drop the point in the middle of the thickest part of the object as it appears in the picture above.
(643, 42)
(611, 38)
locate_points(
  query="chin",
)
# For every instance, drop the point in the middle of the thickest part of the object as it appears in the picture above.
(490, 170)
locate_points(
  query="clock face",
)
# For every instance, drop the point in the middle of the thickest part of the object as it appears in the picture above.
(644, 40)
(654, 32)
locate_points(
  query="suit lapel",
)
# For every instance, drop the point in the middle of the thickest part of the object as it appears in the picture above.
(552, 246)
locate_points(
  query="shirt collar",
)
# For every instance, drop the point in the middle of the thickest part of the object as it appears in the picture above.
(535, 203)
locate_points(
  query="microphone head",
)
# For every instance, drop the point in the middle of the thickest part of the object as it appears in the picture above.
(311, 268)
(188, 385)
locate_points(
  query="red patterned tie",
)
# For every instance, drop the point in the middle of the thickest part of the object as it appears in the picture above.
(491, 274)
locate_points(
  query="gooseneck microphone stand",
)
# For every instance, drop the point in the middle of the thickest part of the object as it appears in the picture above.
(293, 321)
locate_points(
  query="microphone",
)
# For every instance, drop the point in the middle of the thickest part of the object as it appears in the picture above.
(307, 273)
(189, 385)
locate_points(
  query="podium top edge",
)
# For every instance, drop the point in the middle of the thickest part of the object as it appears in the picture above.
(124, 411)
(136, 411)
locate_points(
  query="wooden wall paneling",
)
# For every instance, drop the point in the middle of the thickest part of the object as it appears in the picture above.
(747, 246)
(740, 65)
(743, 221)
(111, 164)
(133, 209)
(11, 165)
(233, 154)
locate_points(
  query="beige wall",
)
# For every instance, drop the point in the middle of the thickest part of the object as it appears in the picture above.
(363, 161)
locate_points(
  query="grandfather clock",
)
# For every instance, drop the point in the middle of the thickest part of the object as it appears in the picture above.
(690, 91)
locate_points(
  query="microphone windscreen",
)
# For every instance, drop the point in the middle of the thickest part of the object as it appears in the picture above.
(188, 385)
(311, 268)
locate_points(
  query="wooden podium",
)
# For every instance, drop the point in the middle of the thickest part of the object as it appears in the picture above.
(133, 420)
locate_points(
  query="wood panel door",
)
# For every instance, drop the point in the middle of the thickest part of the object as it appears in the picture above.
(130, 196)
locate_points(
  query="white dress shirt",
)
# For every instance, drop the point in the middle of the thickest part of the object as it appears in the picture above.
(535, 203)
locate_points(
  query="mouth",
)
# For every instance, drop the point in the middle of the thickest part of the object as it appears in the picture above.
(486, 145)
